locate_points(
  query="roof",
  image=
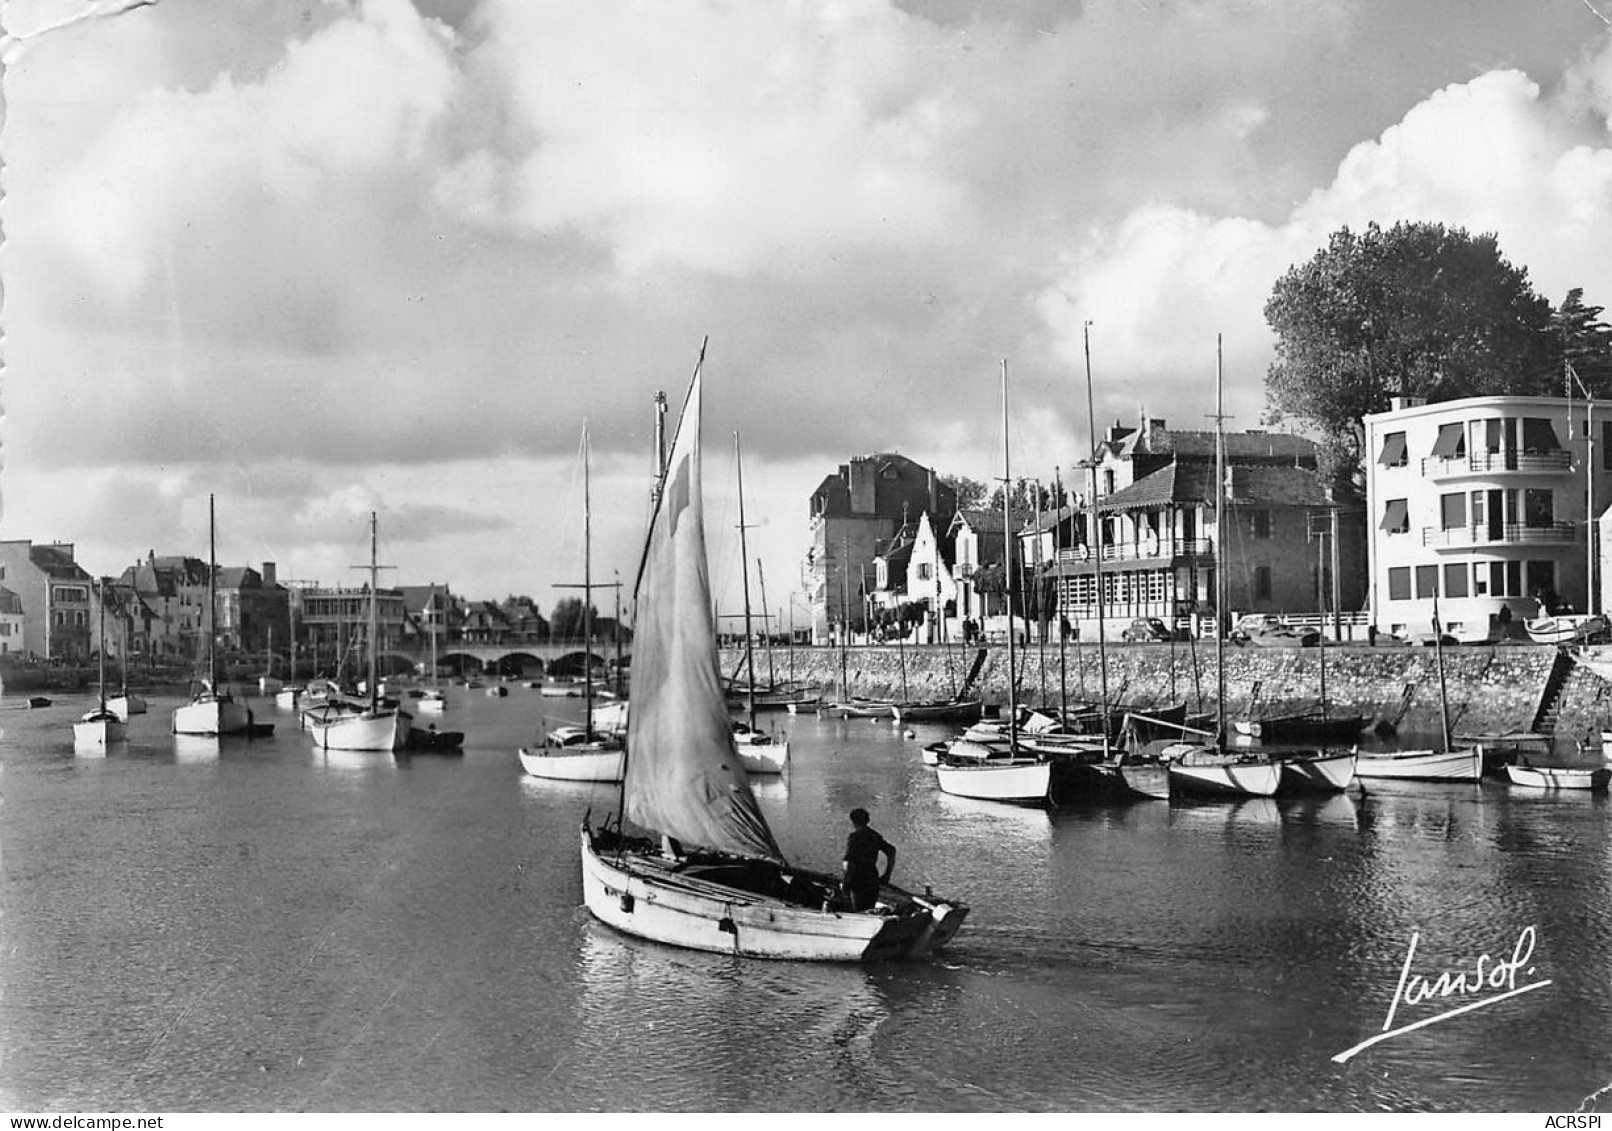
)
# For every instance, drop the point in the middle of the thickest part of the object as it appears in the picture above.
(58, 562)
(1251, 485)
(9, 601)
(1239, 445)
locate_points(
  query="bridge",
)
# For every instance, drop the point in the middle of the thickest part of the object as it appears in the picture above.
(524, 657)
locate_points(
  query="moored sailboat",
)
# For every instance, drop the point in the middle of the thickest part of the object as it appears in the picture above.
(569, 752)
(1010, 772)
(373, 725)
(211, 711)
(125, 702)
(100, 727)
(717, 879)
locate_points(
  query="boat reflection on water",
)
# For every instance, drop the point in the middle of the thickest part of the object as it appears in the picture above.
(1246, 812)
(354, 761)
(990, 824)
(821, 1020)
(196, 747)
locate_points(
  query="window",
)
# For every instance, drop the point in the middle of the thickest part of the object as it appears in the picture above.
(1538, 435)
(1451, 442)
(1396, 516)
(1399, 583)
(1262, 583)
(1537, 508)
(1541, 581)
(1480, 579)
(1259, 524)
(925, 572)
(1455, 580)
(1108, 480)
(1452, 510)
(1477, 508)
(1393, 453)
(1427, 581)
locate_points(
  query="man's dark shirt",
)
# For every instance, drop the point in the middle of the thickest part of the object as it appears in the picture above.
(862, 850)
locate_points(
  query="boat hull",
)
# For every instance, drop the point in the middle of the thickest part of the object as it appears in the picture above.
(574, 764)
(125, 705)
(640, 894)
(211, 716)
(1225, 777)
(1330, 773)
(386, 729)
(99, 729)
(1019, 780)
(948, 710)
(1423, 765)
(431, 703)
(1553, 777)
(286, 698)
(763, 757)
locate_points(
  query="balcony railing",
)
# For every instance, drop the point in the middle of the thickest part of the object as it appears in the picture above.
(1149, 550)
(1485, 463)
(1512, 532)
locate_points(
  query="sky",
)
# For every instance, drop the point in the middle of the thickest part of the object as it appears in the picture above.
(320, 259)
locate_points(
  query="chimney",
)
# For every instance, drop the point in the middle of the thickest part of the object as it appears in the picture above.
(269, 578)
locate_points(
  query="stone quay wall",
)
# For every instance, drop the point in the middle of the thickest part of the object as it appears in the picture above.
(1490, 689)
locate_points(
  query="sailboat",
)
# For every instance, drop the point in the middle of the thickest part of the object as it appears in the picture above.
(431, 700)
(125, 702)
(1005, 771)
(100, 727)
(570, 752)
(290, 692)
(709, 875)
(1211, 769)
(1448, 762)
(210, 711)
(371, 725)
(760, 752)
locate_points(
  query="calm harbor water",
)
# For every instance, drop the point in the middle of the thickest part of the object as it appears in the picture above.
(261, 926)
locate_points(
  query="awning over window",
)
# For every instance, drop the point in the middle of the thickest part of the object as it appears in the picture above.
(1451, 441)
(1397, 515)
(1538, 435)
(1393, 450)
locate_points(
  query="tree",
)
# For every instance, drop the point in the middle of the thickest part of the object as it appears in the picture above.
(1585, 342)
(566, 622)
(970, 492)
(1416, 310)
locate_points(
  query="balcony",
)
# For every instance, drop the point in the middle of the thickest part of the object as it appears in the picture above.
(1152, 550)
(1555, 533)
(1556, 462)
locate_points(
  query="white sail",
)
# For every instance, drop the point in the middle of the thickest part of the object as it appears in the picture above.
(684, 777)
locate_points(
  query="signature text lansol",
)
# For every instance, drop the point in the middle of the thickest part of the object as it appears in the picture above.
(1489, 979)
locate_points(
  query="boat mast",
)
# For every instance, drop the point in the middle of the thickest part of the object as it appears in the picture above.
(1094, 541)
(374, 614)
(100, 592)
(1008, 554)
(744, 558)
(1221, 499)
(212, 599)
(766, 625)
(587, 591)
(1438, 662)
(1057, 606)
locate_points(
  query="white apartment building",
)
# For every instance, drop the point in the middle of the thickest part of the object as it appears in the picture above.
(1483, 502)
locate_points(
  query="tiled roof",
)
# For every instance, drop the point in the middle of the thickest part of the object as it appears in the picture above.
(1239, 445)
(1194, 482)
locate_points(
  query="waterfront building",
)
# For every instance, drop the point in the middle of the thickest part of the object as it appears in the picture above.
(334, 621)
(11, 623)
(1293, 545)
(54, 593)
(854, 513)
(979, 547)
(1484, 502)
(252, 608)
(174, 587)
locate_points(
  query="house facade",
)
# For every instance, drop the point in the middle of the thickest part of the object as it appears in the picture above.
(855, 516)
(12, 619)
(1147, 546)
(54, 593)
(1485, 503)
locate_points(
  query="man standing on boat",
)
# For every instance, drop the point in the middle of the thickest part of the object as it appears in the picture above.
(862, 848)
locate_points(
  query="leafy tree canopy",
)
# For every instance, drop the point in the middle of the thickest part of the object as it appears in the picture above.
(1415, 310)
(566, 621)
(971, 493)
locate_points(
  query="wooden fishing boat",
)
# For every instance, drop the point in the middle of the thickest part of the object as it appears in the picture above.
(1323, 773)
(938, 710)
(1461, 763)
(1566, 628)
(1559, 777)
(1305, 726)
(711, 876)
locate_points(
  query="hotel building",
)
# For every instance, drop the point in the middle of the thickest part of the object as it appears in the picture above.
(1482, 502)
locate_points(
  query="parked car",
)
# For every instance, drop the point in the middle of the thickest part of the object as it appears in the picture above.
(1267, 630)
(1146, 630)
